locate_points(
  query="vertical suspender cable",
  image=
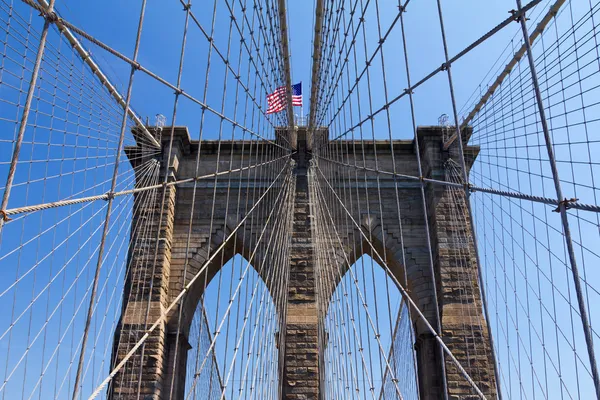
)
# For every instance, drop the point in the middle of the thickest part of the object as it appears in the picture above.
(25, 116)
(467, 193)
(113, 185)
(562, 207)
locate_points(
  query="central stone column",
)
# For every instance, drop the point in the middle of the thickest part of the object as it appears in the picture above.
(301, 361)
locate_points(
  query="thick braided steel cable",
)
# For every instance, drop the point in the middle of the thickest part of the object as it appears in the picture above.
(205, 283)
(125, 179)
(499, 64)
(540, 335)
(424, 203)
(473, 188)
(69, 202)
(49, 257)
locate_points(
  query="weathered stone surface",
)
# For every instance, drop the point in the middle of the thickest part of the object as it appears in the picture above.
(301, 361)
(464, 329)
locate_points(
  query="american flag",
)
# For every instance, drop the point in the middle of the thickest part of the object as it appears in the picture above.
(297, 94)
(277, 100)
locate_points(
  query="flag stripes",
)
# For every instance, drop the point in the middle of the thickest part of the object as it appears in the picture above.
(276, 101)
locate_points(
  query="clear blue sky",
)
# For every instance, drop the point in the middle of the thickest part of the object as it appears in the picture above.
(115, 22)
(161, 40)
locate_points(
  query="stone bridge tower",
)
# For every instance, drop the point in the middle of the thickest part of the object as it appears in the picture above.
(467, 337)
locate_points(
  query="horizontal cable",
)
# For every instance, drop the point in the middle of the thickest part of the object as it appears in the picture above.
(106, 196)
(405, 294)
(187, 287)
(441, 68)
(138, 66)
(570, 203)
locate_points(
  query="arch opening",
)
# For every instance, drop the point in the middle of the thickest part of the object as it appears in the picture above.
(233, 337)
(367, 336)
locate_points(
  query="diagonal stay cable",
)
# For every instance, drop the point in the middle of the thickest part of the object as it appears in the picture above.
(441, 68)
(406, 296)
(231, 300)
(186, 289)
(138, 66)
(473, 188)
(355, 281)
(106, 196)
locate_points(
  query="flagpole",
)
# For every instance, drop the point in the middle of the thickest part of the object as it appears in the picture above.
(302, 106)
